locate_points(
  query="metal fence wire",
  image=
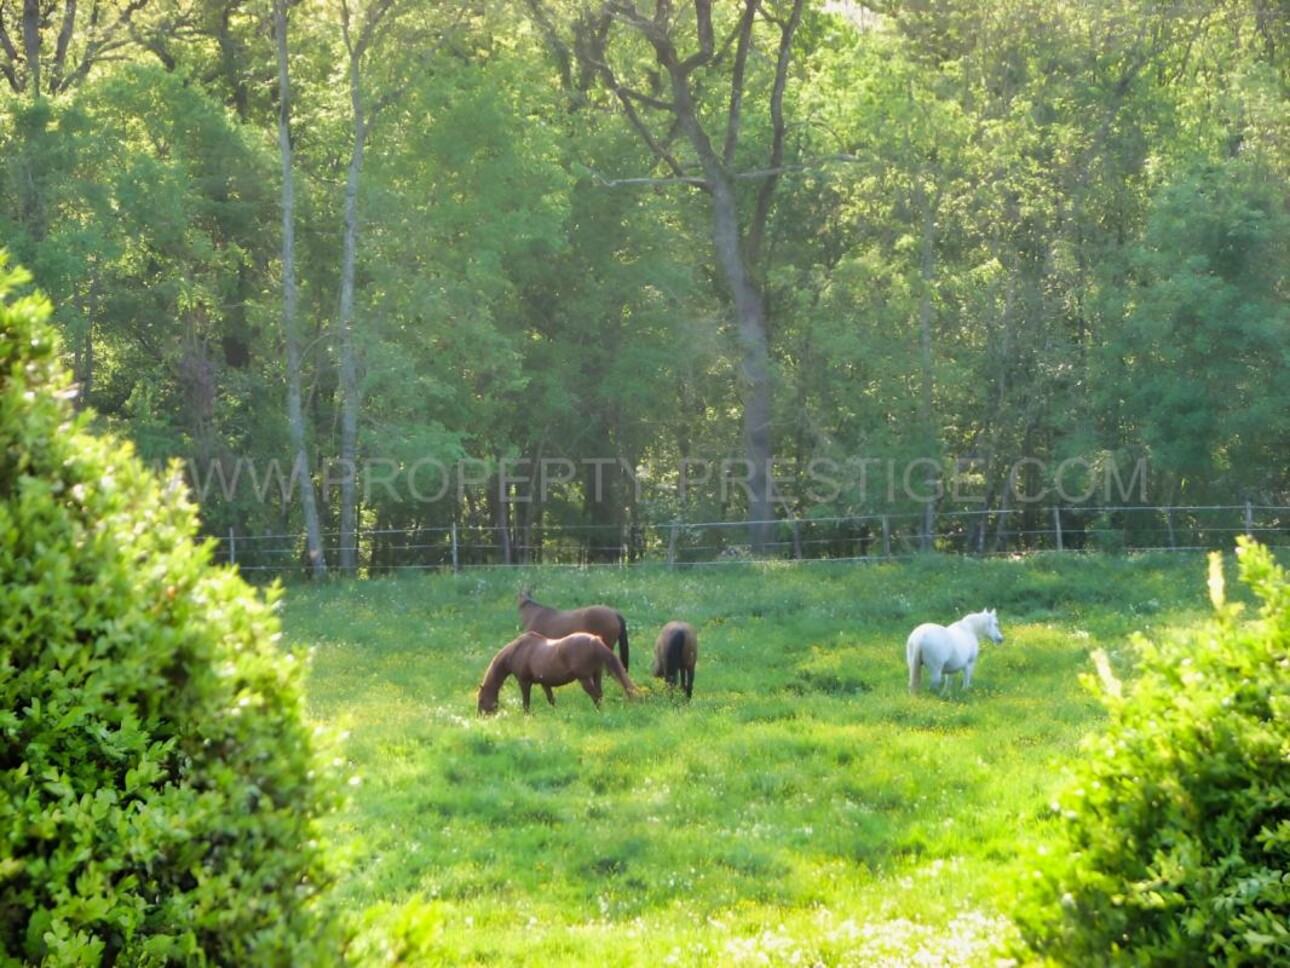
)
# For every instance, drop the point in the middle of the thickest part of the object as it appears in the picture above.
(862, 537)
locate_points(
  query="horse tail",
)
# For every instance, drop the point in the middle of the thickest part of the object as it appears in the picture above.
(675, 657)
(914, 659)
(622, 640)
(619, 671)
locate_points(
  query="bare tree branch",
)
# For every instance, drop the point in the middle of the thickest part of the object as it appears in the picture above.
(555, 43)
(64, 39)
(694, 180)
(650, 102)
(737, 78)
(11, 56)
(704, 55)
(758, 174)
(629, 98)
(761, 214)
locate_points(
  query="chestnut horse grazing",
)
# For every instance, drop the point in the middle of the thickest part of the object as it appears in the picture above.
(600, 620)
(552, 662)
(675, 653)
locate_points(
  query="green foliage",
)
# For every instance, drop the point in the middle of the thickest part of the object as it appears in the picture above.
(1003, 231)
(1205, 302)
(160, 785)
(1178, 819)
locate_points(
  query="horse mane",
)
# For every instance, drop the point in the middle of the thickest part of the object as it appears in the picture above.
(976, 622)
(526, 601)
(496, 671)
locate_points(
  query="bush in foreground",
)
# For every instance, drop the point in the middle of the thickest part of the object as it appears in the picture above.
(1178, 820)
(158, 786)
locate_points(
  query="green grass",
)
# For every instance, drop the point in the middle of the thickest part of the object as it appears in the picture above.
(802, 809)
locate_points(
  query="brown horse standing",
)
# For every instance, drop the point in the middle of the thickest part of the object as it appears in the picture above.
(552, 662)
(600, 620)
(676, 651)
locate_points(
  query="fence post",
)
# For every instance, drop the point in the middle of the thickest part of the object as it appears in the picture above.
(886, 537)
(671, 546)
(456, 563)
(232, 546)
(1057, 526)
(1249, 519)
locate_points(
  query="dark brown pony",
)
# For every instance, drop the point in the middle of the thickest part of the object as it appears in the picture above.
(600, 620)
(676, 651)
(552, 662)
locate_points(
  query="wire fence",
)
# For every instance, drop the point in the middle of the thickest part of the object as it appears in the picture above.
(862, 537)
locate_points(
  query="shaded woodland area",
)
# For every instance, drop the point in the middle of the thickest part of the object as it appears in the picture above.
(546, 265)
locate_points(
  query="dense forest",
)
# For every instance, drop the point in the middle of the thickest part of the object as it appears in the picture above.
(375, 268)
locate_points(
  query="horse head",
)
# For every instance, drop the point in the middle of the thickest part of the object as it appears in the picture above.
(498, 672)
(990, 625)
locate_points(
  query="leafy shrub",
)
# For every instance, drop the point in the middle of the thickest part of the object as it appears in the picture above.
(1178, 820)
(159, 785)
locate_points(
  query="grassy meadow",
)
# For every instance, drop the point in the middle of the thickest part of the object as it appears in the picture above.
(802, 809)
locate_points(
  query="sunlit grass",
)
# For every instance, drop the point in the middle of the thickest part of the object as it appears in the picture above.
(802, 809)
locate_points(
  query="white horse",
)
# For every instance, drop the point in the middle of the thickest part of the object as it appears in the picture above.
(949, 649)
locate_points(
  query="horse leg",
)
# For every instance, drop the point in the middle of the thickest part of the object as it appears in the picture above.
(967, 676)
(592, 685)
(938, 681)
(550, 696)
(526, 687)
(688, 676)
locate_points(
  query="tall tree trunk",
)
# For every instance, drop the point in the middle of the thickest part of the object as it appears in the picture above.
(926, 309)
(361, 28)
(350, 396)
(926, 318)
(500, 500)
(84, 358)
(295, 407)
(754, 362)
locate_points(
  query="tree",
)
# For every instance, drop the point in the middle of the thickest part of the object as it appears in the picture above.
(676, 100)
(1205, 298)
(363, 29)
(871, 253)
(357, 38)
(1176, 824)
(160, 788)
(46, 49)
(290, 301)
(1022, 215)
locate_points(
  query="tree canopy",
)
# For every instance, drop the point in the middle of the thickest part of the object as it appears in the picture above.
(598, 265)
